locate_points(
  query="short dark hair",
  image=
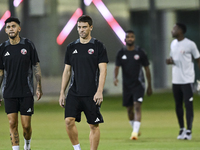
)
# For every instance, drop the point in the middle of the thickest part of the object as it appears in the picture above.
(182, 27)
(14, 19)
(129, 31)
(85, 18)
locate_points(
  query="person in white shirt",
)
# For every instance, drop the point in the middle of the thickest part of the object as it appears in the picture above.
(183, 50)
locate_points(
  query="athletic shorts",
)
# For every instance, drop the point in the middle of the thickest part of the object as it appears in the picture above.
(183, 92)
(135, 95)
(76, 104)
(24, 105)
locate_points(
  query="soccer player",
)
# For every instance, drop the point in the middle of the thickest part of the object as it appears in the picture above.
(182, 51)
(17, 56)
(86, 62)
(132, 58)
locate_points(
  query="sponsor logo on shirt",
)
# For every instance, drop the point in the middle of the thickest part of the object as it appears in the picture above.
(7, 54)
(23, 51)
(124, 57)
(90, 51)
(136, 57)
(75, 52)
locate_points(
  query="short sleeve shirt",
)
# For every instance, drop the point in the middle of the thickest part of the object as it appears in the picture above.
(132, 63)
(17, 61)
(84, 60)
(183, 68)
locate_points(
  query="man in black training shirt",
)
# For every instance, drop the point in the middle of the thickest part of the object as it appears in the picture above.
(17, 56)
(132, 58)
(86, 62)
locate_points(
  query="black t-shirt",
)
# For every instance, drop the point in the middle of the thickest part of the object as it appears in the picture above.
(84, 60)
(17, 61)
(131, 63)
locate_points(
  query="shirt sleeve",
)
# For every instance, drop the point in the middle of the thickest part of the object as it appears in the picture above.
(144, 59)
(195, 51)
(34, 55)
(67, 60)
(103, 58)
(118, 59)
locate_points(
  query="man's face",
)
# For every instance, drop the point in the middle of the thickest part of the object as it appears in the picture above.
(12, 29)
(84, 29)
(130, 39)
(176, 31)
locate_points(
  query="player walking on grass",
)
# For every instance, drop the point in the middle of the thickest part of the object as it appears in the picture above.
(132, 58)
(17, 56)
(86, 62)
(182, 50)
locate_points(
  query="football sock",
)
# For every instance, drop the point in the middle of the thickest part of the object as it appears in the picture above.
(136, 126)
(77, 147)
(131, 123)
(15, 147)
(27, 144)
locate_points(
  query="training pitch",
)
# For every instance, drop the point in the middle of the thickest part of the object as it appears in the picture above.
(159, 127)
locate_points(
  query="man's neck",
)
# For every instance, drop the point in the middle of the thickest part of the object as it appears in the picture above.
(86, 40)
(14, 41)
(180, 38)
(130, 48)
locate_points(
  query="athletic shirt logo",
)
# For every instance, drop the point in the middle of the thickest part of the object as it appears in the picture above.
(23, 51)
(136, 57)
(90, 51)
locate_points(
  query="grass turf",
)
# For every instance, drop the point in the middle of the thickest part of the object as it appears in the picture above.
(159, 127)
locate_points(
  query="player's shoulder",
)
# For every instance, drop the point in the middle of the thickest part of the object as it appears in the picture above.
(4, 44)
(27, 41)
(140, 50)
(188, 41)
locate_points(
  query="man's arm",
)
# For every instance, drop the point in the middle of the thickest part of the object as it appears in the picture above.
(1, 79)
(38, 76)
(98, 97)
(198, 62)
(65, 80)
(148, 76)
(116, 71)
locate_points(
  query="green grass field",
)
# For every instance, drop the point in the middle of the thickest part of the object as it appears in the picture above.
(159, 127)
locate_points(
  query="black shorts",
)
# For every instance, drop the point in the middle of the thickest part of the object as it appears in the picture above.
(76, 104)
(131, 96)
(24, 105)
(183, 92)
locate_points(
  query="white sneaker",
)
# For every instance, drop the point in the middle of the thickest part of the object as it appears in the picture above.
(188, 135)
(181, 135)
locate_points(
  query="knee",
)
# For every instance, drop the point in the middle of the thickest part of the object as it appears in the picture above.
(70, 122)
(137, 107)
(129, 110)
(26, 127)
(94, 127)
(13, 124)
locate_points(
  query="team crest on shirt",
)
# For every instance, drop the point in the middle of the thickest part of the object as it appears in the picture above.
(90, 51)
(23, 51)
(136, 57)
(182, 52)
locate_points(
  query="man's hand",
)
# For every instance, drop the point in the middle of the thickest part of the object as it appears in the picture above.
(39, 93)
(62, 100)
(198, 85)
(0, 101)
(115, 81)
(98, 98)
(169, 61)
(149, 91)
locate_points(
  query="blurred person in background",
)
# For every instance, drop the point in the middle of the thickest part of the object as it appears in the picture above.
(132, 58)
(17, 56)
(183, 75)
(86, 63)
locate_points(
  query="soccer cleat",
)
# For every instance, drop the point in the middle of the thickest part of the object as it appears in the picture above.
(188, 135)
(134, 136)
(181, 134)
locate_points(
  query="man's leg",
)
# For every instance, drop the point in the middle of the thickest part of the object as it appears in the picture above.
(178, 97)
(27, 131)
(130, 115)
(14, 135)
(188, 100)
(72, 132)
(137, 120)
(94, 136)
